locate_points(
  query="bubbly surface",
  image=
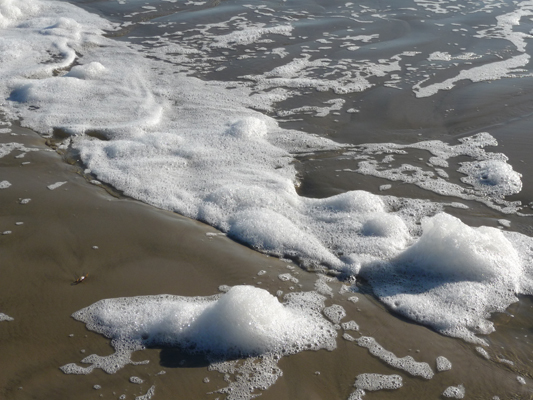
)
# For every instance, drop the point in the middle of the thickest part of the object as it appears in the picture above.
(245, 321)
(139, 121)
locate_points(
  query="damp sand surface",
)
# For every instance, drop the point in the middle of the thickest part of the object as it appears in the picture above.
(131, 249)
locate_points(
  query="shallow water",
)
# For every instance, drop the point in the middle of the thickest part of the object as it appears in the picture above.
(352, 73)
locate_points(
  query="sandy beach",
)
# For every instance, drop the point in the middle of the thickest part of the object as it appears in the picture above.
(131, 249)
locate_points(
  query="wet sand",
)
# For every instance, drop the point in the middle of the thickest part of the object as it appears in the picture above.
(142, 251)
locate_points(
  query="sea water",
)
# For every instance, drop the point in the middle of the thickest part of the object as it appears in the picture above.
(357, 139)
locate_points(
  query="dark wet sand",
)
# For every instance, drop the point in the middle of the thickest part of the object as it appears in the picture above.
(144, 251)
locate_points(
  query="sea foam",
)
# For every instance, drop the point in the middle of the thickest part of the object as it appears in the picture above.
(453, 277)
(245, 321)
(199, 149)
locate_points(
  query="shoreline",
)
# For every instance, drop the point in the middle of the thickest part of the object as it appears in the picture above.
(142, 250)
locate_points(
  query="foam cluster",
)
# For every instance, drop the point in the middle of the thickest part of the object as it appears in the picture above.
(443, 364)
(245, 321)
(489, 178)
(374, 382)
(455, 392)
(453, 277)
(493, 176)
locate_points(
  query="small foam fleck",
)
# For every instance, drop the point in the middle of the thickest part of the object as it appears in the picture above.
(55, 185)
(482, 352)
(443, 364)
(350, 326)
(287, 277)
(136, 379)
(455, 392)
(5, 317)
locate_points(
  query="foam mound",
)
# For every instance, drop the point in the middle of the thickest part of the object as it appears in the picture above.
(494, 177)
(452, 278)
(245, 321)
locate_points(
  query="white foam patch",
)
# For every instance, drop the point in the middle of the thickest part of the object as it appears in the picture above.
(247, 376)
(136, 380)
(12, 11)
(373, 382)
(357, 395)
(453, 277)
(249, 35)
(335, 313)
(443, 364)
(5, 184)
(488, 178)
(350, 326)
(7, 148)
(455, 392)
(407, 363)
(322, 287)
(488, 72)
(93, 70)
(148, 395)
(245, 321)
(5, 317)
(56, 185)
(493, 177)
(483, 353)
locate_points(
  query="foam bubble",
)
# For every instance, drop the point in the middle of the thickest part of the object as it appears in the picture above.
(443, 364)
